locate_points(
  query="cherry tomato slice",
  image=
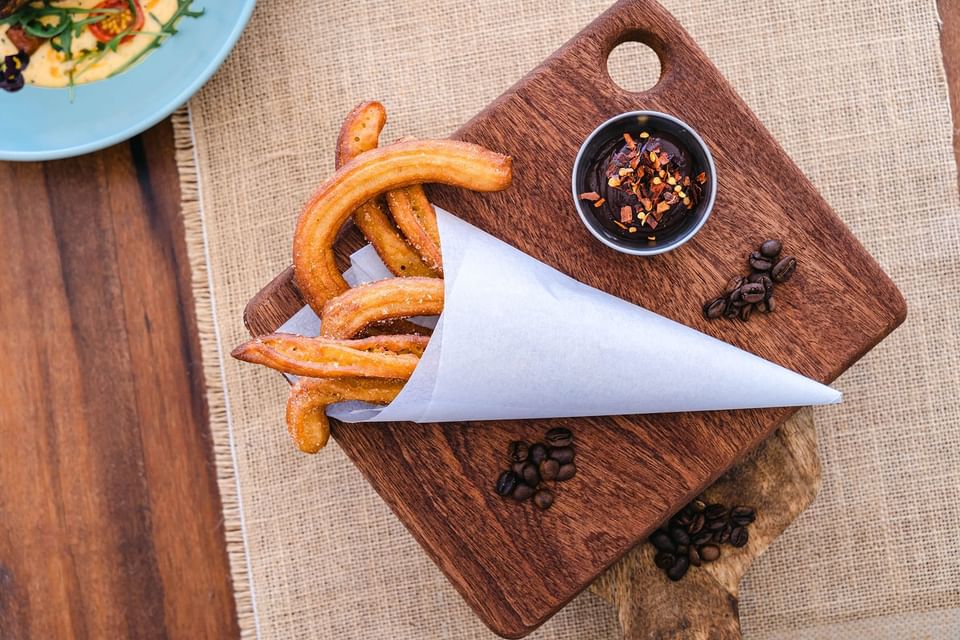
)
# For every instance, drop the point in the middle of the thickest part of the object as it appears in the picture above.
(116, 23)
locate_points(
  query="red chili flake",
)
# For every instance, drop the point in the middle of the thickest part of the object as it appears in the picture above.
(626, 214)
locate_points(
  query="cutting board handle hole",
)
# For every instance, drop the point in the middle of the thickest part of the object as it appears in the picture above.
(634, 66)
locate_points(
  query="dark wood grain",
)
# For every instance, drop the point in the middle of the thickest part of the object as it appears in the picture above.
(514, 566)
(110, 522)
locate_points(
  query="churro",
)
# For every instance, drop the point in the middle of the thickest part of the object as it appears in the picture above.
(353, 310)
(307, 405)
(416, 218)
(360, 133)
(376, 357)
(372, 173)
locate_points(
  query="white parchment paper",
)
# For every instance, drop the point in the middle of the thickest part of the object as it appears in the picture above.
(518, 339)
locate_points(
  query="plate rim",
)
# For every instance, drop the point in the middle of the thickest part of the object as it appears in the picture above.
(155, 115)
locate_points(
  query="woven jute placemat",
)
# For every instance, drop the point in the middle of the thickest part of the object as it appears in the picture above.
(857, 96)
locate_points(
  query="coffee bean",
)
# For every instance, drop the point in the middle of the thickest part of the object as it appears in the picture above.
(771, 305)
(531, 475)
(716, 525)
(736, 295)
(662, 541)
(696, 525)
(543, 499)
(664, 560)
(783, 270)
(559, 437)
(703, 537)
(762, 307)
(759, 262)
(517, 468)
(734, 283)
(739, 536)
(679, 536)
(752, 292)
(506, 483)
(518, 451)
(709, 552)
(549, 469)
(698, 505)
(745, 312)
(679, 568)
(566, 471)
(537, 453)
(715, 511)
(563, 455)
(742, 515)
(681, 520)
(694, 557)
(731, 311)
(713, 309)
(770, 248)
(725, 535)
(523, 492)
(717, 535)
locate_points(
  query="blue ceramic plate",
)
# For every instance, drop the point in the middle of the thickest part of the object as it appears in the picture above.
(43, 124)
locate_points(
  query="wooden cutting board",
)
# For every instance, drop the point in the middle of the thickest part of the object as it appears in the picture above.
(513, 564)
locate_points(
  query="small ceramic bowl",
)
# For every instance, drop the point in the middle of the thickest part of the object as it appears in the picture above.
(655, 123)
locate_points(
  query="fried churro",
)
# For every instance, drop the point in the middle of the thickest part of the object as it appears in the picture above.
(416, 218)
(376, 357)
(353, 310)
(370, 174)
(307, 405)
(360, 133)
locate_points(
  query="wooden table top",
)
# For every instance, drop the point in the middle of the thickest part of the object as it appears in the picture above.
(110, 521)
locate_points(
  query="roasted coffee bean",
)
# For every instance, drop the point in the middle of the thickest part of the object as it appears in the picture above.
(664, 560)
(563, 455)
(506, 483)
(739, 536)
(517, 468)
(694, 556)
(662, 541)
(679, 568)
(709, 552)
(716, 525)
(745, 312)
(531, 474)
(679, 536)
(759, 262)
(715, 511)
(770, 248)
(682, 549)
(731, 311)
(698, 506)
(681, 520)
(702, 537)
(543, 499)
(784, 269)
(762, 307)
(716, 536)
(566, 471)
(559, 437)
(736, 295)
(771, 305)
(713, 309)
(518, 451)
(696, 525)
(725, 535)
(752, 292)
(549, 469)
(734, 283)
(742, 515)
(764, 279)
(538, 453)
(523, 492)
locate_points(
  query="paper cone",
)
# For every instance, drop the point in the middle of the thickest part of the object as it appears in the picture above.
(518, 339)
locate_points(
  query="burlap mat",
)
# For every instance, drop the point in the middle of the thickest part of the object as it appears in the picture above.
(855, 92)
